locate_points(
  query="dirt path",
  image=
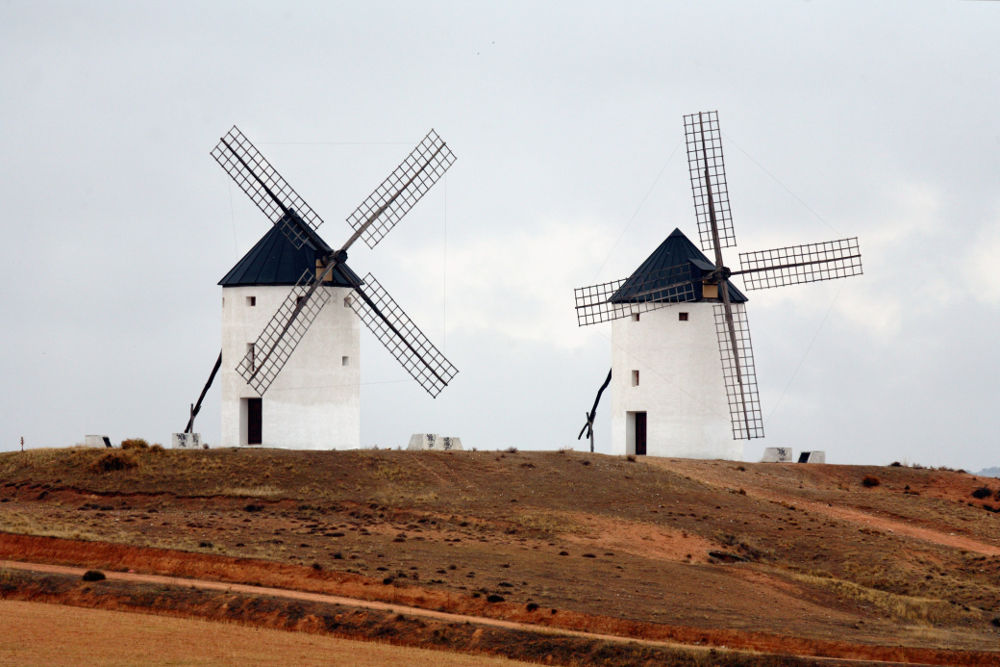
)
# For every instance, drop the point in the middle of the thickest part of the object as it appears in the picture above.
(203, 584)
(718, 479)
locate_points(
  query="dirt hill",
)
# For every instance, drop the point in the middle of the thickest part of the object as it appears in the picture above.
(711, 551)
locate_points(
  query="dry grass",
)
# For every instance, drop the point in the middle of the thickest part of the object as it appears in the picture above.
(906, 558)
(56, 635)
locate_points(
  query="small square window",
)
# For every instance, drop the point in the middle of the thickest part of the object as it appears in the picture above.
(347, 302)
(300, 300)
(635, 317)
(345, 361)
(683, 317)
(251, 301)
(635, 378)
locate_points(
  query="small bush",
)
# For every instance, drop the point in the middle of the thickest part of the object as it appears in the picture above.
(157, 447)
(93, 575)
(493, 597)
(134, 443)
(896, 464)
(630, 458)
(869, 481)
(982, 492)
(511, 450)
(113, 461)
(531, 606)
(996, 622)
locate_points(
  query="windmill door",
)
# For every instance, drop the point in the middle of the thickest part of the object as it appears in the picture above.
(254, 421)
(640, 433)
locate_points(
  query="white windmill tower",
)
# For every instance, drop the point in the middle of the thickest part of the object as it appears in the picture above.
(290, 309)
(670, 397)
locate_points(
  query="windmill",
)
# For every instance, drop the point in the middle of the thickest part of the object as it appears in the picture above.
(666, 398)
(311, 401)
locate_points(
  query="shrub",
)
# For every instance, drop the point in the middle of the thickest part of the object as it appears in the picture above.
(156, 448)
(869, 481)
(493, 597)
(630, 458)
(896, 464)
(113, 461)
(134, 443)
(531, 606)
(511, 450)
(982, 492)
(93, 575)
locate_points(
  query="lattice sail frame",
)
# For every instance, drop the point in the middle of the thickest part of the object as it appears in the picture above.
(281, 335)
(794, 265)
(403, 188)
(404, 339)
(263, 184)
(594, 305)
(704, 151)
(739, 373)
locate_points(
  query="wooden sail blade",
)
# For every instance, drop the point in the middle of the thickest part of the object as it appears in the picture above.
(618, 299)
(707, 169)
(401, 337)
(799, 264)
(268, 354)
(738, 371)
(402, 189)
(250, 170)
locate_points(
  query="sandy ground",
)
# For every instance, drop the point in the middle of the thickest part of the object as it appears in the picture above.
(44, 634)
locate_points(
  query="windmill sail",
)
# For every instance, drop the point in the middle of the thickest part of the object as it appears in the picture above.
(794, 265)
(707, 170)
(403, 188)
(398, 334)
(618, 299)
(739, 372)
(263, 184)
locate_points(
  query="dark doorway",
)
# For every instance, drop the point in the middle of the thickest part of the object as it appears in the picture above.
(640, 433)
(255, 417)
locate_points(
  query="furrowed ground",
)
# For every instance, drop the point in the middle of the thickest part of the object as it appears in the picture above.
(804, 559)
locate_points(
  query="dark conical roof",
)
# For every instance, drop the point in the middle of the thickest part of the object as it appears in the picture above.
(274, 260)
(676, 259)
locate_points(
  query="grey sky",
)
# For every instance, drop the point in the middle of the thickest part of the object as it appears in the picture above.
(839, 118)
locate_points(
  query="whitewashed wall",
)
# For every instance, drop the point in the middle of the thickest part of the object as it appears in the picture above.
(315, 403)
(680, 387)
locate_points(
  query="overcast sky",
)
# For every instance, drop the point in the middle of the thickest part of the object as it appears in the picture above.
(874, 119)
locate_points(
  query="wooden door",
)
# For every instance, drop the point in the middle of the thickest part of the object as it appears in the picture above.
(254, 421)
(640, 433)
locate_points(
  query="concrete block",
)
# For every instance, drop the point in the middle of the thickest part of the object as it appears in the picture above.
(777, 455)
(186, 441)
(96, 441)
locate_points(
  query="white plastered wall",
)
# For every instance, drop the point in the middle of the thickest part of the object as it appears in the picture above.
(680, 388)
(315, 402)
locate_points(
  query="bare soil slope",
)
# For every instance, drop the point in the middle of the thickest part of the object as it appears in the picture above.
(720, 552)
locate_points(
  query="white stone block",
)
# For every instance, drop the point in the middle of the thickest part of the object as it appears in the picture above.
(447, 443)
(96, 441)
(777, 455)
(186, 441)
(422, 441)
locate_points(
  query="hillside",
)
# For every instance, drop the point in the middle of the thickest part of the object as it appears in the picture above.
(810, 553)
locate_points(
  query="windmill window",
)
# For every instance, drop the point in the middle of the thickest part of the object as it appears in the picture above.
(251, 301)
(345, 361)
(347, 302)
(635, 378)
(635, 317)
(299, 300)
(683, 317)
